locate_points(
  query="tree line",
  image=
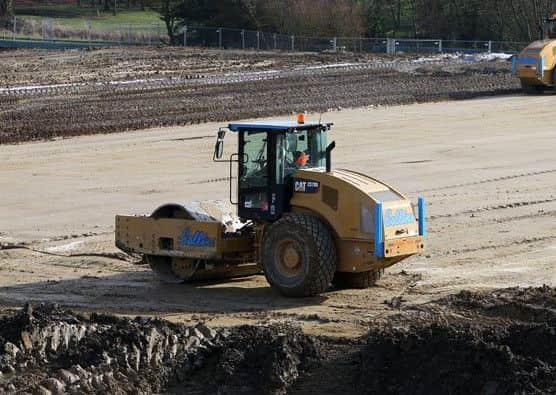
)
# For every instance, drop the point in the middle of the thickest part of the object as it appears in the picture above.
(6, 11)
(503, 20)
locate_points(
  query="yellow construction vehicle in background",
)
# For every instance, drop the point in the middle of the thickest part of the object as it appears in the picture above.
(299, 222)
(535, 66)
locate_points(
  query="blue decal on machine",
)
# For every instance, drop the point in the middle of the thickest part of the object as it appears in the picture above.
(197, 239)
(526, 60)
(400, 217)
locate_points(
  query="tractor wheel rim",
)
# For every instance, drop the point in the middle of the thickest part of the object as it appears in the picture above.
(288, 258)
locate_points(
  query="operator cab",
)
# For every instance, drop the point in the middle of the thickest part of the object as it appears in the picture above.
(269, 153)
(549, 27)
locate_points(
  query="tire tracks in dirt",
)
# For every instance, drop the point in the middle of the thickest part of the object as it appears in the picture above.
(492, 208)
(216, 79)
(503, 220)
(123, 108)
(487, 181)
(530, 240)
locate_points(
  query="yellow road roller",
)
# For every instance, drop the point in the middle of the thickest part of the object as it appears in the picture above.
(535, 66)
(291, 216)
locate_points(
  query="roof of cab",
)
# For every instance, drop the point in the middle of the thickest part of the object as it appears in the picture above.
(280, 126)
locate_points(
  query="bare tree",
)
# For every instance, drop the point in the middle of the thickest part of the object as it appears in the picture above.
(6, 12)
(169, 13)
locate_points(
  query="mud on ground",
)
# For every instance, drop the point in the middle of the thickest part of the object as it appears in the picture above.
(489, 343)
(59, 94)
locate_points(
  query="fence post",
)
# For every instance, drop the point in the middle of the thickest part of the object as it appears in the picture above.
(129, 33)
(293, 42)
(391, 46)
(151, 33)
(185, 36)
(158, 34)
(242, 38)
(274, 39)
(88, 24)
(334, 44)
(258, 40)
(220, 37)
(490, 46)
(440, 46)
(15, 28)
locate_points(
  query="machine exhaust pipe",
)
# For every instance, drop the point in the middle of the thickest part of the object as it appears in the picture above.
(329, 149)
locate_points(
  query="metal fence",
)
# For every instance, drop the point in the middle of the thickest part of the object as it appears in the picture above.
(91, 34)
(49, 31)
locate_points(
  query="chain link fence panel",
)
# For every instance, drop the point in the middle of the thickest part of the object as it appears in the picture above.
(228, 38)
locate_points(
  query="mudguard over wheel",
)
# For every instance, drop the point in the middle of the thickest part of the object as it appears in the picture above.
(357, 280)
(298, 255)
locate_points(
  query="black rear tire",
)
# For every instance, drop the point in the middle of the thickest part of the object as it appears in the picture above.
(298, 255)
(360, 280)
(529, 89)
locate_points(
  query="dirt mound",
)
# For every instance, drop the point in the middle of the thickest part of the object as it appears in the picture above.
(488, 343)
(49, 349)
(460, 360)
(516, 304)
(59, 351)
(256, 360)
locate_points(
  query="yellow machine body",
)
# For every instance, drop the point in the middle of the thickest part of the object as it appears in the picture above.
(178, 238)
(344, 199)
(535, 66)
(536, 63)
(296, 220)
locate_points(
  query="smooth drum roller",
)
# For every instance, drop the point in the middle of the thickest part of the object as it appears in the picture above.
(179, 269)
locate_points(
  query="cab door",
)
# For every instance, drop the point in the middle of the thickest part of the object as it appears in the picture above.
(254, 175)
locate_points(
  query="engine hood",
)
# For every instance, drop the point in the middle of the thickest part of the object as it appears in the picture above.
(347, 199)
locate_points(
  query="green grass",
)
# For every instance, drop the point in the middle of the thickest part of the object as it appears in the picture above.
(76, 18)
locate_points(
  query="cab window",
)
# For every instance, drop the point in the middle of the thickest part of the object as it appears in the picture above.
(550, 29)
(303, 149)
(255, 167)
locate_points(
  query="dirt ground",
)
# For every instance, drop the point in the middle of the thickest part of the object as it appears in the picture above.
(471, 342)
(44, 95)
(486, 167)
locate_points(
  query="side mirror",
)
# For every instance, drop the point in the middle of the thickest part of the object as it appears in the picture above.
(219, 146)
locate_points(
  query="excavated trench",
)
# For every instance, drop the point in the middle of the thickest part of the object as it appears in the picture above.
(500, 342)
